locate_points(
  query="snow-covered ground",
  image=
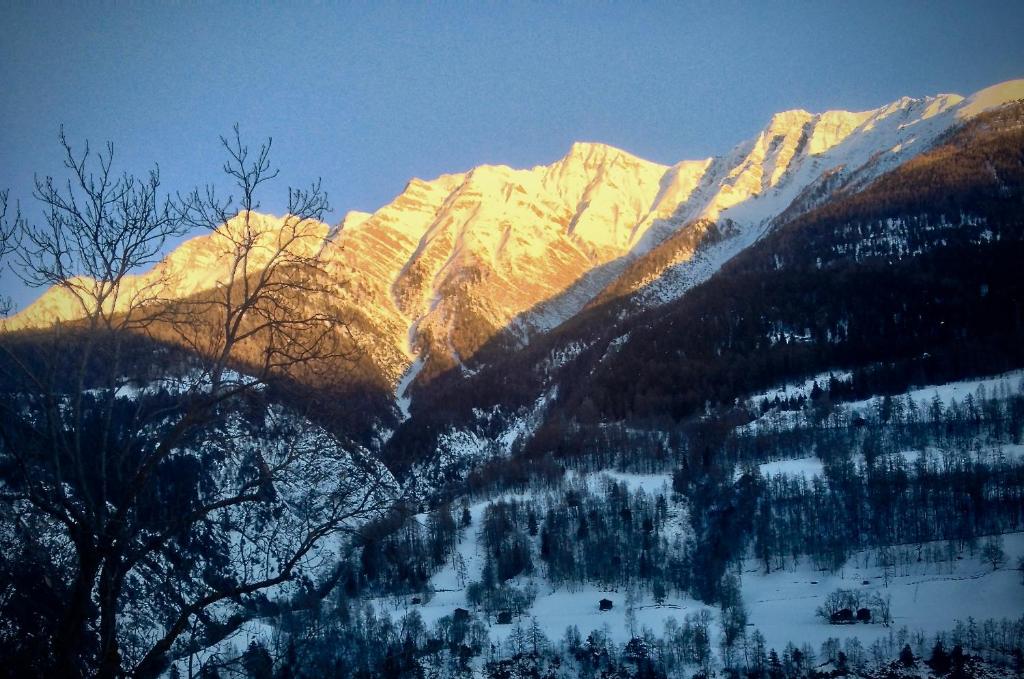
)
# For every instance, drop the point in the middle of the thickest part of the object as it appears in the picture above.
(1007, 452)
(799, 387)
(808, 467)
(555, 609)
(649, 483)
(929, 596)
(956, 391)
(403, 399)
(782, 605)
(459, 449)
(1005, 383)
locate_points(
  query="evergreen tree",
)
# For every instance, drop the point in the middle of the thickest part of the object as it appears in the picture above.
(907, 656)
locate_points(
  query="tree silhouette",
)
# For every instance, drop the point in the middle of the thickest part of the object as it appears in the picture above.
(154, 487)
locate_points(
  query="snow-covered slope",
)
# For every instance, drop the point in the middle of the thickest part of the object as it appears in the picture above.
(801, 159)
(924, 595)
(944, 395)
(453, 262)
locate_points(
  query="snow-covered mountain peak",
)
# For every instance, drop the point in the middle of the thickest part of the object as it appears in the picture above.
(764, 175)
(590, 167)
(785, 122)
(353, 219)
(594, 154)
(992, 97)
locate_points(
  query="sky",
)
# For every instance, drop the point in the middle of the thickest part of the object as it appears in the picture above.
(368, 95)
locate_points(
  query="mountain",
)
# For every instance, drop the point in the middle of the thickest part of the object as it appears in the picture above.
(902, 278)
(607, 417)
(462, 270)
(456, 259)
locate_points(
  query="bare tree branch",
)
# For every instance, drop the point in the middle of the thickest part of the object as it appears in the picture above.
(132, 446)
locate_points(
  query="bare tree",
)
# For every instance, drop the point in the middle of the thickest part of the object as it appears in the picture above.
(99, 228)
(273, 306)
(992, 552)
(153, 498)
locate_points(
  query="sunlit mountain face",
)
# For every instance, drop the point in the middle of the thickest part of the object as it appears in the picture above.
(495, 256)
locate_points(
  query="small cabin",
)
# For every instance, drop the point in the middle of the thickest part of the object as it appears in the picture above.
(605, 604)
(460, 615)
(841, 617)
(505, 618)
(416, 601)
(863, 615)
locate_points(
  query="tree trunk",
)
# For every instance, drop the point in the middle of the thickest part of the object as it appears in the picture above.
(109, 590)
(69, 641)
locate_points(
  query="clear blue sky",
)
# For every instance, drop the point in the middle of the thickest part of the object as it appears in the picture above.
(368, 95)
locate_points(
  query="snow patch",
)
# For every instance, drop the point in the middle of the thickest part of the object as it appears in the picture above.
(403, 399)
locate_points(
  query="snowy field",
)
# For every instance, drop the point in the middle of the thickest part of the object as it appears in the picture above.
(557, 610)
(649, 483)
(956, 391)
(928, 597)
(808, 467)
(780, 420)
